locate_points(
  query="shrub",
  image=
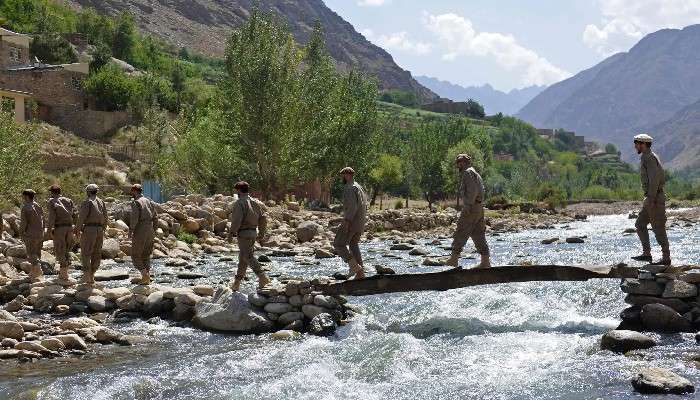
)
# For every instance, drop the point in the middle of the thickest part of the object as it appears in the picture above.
(111, 87)
(398, 204)
(597, 192)
(186, 237)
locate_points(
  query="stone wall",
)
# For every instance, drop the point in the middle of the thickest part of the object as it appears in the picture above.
(56, 162)
(91, 124)
(6, 50)
(56, 88)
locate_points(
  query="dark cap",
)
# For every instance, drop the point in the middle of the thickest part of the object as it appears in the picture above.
(28, 192)
(347, 170)
(137, 187)
(463, 157)
(55, 189)
(243, 186)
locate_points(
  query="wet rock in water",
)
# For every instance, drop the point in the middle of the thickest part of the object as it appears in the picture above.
(434, 262)
(643, 287)
(73, 324)
(98, 303)
(340, 276)
(575, 240)
(322, 325)
(289, 317)
(257, 300)
(550, 240)
(32, 346)
(263, 258)
(111, 275)
(690, 277)
(53, 344)
(654, 268)
(661, 381)
(311, 310)
(638, 300)
(278, 308)
(203, 290)
(306, 231)
(661, 318)
(230, 312)
(418, 252)
(322, 253)
(9, 343)
(175, 262)
(11, 329)
(190, 275)
(326, 302)
(72, 341)
(156, 304)
(7, 316)
(630, 230)
(680, 290)
(110, 248)
(401, 246)
(285, 335)
(580, 217)
(622, 341)
(13, 353)
(381, 270)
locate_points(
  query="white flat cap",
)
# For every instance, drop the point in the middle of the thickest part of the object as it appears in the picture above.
(643, 138)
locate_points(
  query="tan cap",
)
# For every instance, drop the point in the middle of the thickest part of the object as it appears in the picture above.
(242, 185)
(643, 138)
(347, 170)
(137, 187)
(55, 188)
(92, 188)
(463, 157)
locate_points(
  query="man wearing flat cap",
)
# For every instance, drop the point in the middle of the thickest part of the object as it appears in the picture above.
(91, 225)
(31, 230)
(471, 223)
(248, 223)
(60, 228)
(142, 232)
(654, 206)
(347, 239)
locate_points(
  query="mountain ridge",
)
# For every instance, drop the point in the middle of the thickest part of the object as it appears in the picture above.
(205, 25)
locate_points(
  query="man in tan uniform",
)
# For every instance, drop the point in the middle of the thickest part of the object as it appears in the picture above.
(60, 228)
(92, 222)
(471, 222)
(347, 239)
(142, 232)
(654, 206)
(248, 223)
(31, 231)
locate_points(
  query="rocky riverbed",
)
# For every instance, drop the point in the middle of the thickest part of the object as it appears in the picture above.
(544, 328)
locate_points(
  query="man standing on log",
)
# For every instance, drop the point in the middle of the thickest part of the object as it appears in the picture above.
(60, 228)
(654, 205)
(142, 232)
(248, 223)
(31, 230)
(471, 222)
(92, 222)
(347, 239)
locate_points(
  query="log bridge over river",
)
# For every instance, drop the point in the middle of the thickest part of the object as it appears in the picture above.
(458, 278)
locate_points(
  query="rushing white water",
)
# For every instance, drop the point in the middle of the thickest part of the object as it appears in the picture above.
(514, 341)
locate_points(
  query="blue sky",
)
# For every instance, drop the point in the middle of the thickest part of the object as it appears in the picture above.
(509, 43)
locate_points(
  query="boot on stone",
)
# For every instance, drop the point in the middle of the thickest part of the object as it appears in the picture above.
(665, 259)
(485, 262)
(88, 278)
(356, 269)
(263, 281)
(453, 261)
(36, 274)
(360, 272)
(63, 277)
(145, 278)
(644, 257)
(236, 284)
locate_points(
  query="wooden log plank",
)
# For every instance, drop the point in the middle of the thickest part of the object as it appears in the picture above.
(458, 278)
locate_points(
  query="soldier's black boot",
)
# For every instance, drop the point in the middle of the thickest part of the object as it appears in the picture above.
(643, 257)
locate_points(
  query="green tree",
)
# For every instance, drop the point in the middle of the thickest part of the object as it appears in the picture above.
(449, 168)
(101, 57)
(386, 175)
(124, 36)
(19, 146)
(610, 148)
(111, 88)
(177, 79)
(474, 109)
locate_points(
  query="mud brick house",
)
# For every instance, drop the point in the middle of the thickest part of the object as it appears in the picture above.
(51, 93)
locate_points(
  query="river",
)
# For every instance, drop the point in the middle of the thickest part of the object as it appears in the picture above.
(514, 341)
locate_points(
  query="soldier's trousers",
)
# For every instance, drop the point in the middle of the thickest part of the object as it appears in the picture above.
(656, 216)
(33, 248)
(246, 257)
(471, 224)
(62, 244)
(142, 247)
(347, 243)
(91, 247)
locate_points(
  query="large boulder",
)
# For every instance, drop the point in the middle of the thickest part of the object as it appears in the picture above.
(110, 248)
(322, 325)
(661, 318)
(307, 230)
(661, 381)
(643, 287)
(230, 311)
(191, 225)
(637, 300)
(680, 290)
(622, 341)
(11, 329)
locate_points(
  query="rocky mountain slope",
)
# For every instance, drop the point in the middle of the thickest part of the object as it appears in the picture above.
(494, 101)
(679, 138)
(205, 25)
(628, 92)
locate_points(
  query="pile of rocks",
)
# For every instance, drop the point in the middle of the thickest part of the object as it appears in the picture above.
(662, 299)
(294, 306)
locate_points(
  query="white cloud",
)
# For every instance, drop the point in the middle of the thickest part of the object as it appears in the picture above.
(398, 41)
(626, 21)
(460, 38)
(372, 3)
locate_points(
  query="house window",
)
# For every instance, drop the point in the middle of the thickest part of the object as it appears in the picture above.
(15, 54)
(76, 83)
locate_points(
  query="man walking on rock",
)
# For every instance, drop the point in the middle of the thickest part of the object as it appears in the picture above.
(142, 232)
(347, 239)
(32, 232)
(654, 205)
(471, 223)
(92, 222)
(248, 223)
(60, 228)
